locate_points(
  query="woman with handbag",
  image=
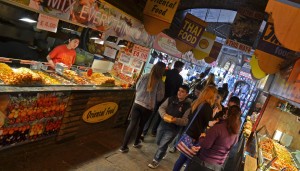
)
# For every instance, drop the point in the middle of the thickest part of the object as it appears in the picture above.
(217, 143)
(149, 90)
(202, 113)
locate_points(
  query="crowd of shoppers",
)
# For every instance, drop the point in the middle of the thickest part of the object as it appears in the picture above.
(201, 116)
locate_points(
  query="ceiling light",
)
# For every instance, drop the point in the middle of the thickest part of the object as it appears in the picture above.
(67, 29)
(28, 20)
(123, 43)
(94, 38)
(98, 41)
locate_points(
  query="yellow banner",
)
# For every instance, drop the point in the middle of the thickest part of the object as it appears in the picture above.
(255, 69)
(161, 9)
(204, 46)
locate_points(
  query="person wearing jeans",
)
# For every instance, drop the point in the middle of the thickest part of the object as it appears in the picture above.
(149, 90)
(174, 113)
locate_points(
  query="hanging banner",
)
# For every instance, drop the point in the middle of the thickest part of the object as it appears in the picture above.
(47, 23)
(166, 44)
(204, 46)
(140, 52)
(244, 29)
(158, 15)
(215, 51)
(98, 15)
(255, 69)
(286, 14)
(189, 33)
(269, 51)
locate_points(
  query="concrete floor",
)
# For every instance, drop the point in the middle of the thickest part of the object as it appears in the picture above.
(94, 152)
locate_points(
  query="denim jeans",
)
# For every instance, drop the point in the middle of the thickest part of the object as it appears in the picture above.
(165, 136)
(180, 162)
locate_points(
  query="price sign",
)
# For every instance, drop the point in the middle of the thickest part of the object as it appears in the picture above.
(140, 52)
(47, 23)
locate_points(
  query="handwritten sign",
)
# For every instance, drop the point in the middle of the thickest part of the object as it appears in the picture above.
(191, 30)
(140, 52)
(161, 9)
(47, 23)
(110, 52)
(166, 44)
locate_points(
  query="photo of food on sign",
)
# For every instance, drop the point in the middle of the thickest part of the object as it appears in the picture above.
(136, 63)
(127, 70)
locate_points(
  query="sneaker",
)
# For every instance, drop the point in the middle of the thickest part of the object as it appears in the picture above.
(164, 156)
(154, 164)
(137, 145)
(172, 150)
(124, 149)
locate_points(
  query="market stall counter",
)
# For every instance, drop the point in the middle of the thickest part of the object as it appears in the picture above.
(35, 107)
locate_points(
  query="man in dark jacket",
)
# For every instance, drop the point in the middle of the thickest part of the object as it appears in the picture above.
(174, 113)
(173, 79)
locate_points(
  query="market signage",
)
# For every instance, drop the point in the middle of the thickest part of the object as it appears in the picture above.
(100, 112)
(140, 52)
(98, 15)
(286, 14)
(269, 51)
(47, 23)
(214, 53)
(158, 14)
(255, 69)
(245, 29)
(167, 45)
(204, 46)
(189, 33)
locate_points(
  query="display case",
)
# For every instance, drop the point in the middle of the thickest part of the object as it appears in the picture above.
(271, 155)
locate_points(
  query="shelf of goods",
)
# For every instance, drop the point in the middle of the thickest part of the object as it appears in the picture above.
(35, 104)
(274, 156)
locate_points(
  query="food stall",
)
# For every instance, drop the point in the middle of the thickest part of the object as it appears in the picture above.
(38, 103)
(274, 141)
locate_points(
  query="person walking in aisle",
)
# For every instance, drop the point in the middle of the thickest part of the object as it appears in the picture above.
(172, 83)
(174, 113)
(149, 90)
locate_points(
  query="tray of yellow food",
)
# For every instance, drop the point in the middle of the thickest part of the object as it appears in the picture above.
(284, 157)
(73, 76)
(47, 79)
(20, 77)
(99, 79)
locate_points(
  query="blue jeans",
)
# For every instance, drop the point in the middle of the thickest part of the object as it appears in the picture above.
(180, 162)
(165, 136)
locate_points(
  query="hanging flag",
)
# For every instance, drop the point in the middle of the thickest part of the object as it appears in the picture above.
(158, 15)
(189, 33)
(286, 16)
(204, 46)
(269, 51)
(255, 69)
(245, 29)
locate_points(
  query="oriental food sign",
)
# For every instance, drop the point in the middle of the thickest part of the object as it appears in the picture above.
(100, 112)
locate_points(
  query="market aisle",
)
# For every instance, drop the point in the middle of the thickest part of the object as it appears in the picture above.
(94, 152)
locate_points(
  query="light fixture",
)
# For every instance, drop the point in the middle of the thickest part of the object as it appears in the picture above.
(277, 135)
(28, 20)
(123, 43)
(99, 41)
(95, 35)
(67, 29)
(112, 39)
